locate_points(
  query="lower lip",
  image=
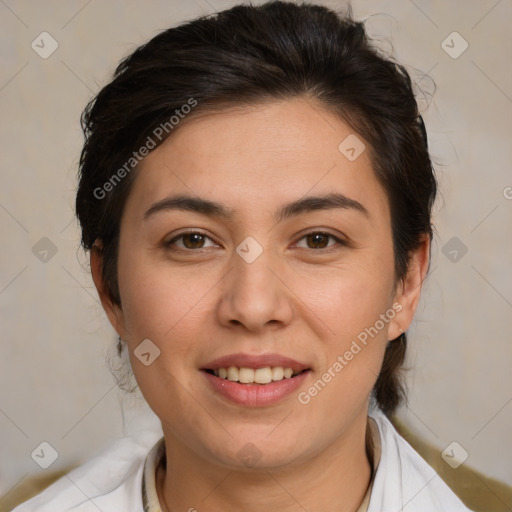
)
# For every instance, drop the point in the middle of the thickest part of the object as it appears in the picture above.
(256, 395)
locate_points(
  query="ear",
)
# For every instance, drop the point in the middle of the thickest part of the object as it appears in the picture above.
(113, 310)
(408, 290)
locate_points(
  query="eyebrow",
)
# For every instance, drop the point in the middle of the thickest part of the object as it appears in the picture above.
(216, 209)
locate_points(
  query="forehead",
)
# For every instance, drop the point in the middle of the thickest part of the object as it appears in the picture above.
(259, 156)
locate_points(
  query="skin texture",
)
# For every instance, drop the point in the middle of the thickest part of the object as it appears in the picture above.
(303, 299)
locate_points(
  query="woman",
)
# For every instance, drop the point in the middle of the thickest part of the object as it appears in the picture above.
(255, 192)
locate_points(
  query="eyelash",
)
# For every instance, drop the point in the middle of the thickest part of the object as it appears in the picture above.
(170, 243)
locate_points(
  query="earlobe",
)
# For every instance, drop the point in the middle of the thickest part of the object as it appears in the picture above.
(112, 310)
(409, 289)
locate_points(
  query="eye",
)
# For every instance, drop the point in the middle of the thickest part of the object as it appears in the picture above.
(193, 240)
(189, 241)
(320, 240)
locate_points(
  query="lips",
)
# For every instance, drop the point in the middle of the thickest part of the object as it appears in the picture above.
(251, 390)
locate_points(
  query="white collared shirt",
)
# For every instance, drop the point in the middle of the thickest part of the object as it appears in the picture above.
(113, 480)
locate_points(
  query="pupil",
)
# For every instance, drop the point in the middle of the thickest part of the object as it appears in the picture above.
(316, 239)
(196, 238)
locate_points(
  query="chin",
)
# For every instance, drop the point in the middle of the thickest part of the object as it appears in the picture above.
(256, 449)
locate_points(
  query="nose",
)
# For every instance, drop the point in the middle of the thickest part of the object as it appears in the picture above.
(255, 295)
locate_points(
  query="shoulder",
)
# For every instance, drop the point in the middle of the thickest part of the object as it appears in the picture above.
(111, 481)
(404, 480)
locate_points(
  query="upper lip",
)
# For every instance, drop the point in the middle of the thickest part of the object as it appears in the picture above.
(255, 362)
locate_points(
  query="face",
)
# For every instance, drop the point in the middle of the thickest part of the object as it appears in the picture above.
(262, 279)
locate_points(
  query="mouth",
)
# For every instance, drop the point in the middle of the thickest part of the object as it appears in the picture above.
(262, 376)
(255, 380)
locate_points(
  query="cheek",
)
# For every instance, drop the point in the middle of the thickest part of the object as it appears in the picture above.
(352, 306)
(156, 297)
(346, 298)
(164, 306)
(357, 312)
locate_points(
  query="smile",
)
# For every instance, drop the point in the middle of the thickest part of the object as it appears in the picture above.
(263, 375)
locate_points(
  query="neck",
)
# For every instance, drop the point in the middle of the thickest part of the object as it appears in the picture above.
(336, 479)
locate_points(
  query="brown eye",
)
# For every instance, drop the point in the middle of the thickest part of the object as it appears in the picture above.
(193, 240)
(319, 240)
(189, 241)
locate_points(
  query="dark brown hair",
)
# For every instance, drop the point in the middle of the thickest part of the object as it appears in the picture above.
(242, 56)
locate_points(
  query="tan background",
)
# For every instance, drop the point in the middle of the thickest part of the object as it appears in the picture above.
(54, 383)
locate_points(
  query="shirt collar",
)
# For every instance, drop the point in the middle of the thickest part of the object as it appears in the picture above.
(153, 460)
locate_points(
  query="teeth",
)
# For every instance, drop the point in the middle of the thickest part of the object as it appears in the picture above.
(277, 373)
(232, 373)
(250, 376)
(263, 375)
(245, 375)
